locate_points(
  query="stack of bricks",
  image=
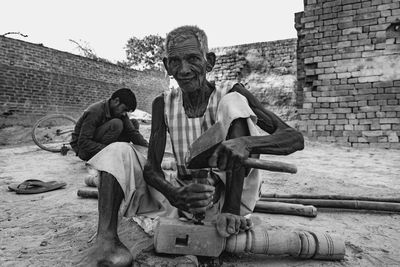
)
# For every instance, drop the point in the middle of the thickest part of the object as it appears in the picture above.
(36, 80)
(348, 57)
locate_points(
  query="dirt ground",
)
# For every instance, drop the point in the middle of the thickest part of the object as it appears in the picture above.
(53, 228)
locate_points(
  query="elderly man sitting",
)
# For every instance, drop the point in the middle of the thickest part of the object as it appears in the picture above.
(128, 182)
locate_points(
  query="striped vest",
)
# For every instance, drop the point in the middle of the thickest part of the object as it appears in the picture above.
(184, 130)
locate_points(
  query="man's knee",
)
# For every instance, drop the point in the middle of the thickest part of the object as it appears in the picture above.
(234, 113)
(112, 126)
(109, 132)
(116, 125)
(83, 155)
(238, 128)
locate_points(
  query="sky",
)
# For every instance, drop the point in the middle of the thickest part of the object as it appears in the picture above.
(106, 26)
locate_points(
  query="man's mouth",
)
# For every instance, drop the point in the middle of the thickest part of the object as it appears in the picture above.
(185, 80)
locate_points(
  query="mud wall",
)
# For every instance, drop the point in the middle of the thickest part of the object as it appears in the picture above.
(268, 69)
(348, 69)
(36, 80)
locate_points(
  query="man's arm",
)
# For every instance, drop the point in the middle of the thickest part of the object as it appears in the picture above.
(133, 133)
(283, 139)
(189, 197)
(152, 172)
(90, 122)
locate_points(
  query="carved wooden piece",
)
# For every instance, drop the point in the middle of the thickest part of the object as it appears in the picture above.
(177, 237)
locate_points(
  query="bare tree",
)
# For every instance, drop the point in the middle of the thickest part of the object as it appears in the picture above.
(88, 52)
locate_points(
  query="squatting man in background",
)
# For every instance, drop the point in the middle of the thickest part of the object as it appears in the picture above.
(106, 122)
(185, 113)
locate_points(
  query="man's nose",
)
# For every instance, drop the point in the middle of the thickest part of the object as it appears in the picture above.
(185, 69)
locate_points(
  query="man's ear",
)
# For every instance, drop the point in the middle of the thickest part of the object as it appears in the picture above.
(165, 61)
(210, 61)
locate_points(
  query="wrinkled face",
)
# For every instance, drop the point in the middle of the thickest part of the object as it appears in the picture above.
(117, 108)
(187, 64)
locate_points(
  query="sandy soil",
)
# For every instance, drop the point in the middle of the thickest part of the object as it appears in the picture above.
(53, 229)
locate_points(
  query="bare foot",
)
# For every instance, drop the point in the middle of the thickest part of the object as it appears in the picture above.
(107, 252)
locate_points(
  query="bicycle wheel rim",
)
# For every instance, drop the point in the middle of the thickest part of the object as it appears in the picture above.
(51, 132)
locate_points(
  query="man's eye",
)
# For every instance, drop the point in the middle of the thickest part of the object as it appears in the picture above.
(193, 58)
(173, 61)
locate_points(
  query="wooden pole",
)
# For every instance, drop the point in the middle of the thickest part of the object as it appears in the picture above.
(332, 197)
(285, 208)
(340, 204)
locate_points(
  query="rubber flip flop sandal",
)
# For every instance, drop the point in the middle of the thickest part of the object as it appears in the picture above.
(33, 186)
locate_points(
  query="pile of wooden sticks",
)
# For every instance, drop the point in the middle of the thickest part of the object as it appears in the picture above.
(306, 205)
(302, 204)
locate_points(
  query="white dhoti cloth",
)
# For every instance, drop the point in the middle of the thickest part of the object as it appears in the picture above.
(126, 161)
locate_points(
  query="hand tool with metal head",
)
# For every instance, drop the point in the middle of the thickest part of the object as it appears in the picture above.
(202, 148)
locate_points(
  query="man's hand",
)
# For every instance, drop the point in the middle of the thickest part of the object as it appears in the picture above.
(193, 198)
(228, 224)
(230, 154)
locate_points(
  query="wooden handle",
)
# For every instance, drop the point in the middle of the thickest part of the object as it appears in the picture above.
(302, 244)
(199, 177)
(274, 166)
(285, 208)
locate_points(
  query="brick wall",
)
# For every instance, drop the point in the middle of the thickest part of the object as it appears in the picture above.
(268, 69)
(36, 80)
(349, 71)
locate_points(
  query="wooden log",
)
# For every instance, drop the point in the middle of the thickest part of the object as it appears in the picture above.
(88, 193)
(178, 237)
(333, 197)
(341, 204)
(285, 208)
